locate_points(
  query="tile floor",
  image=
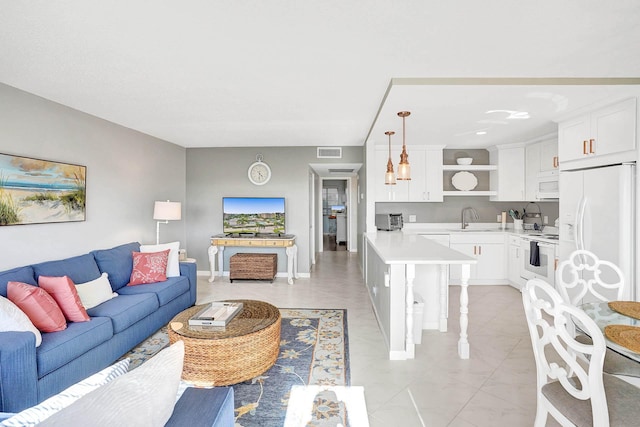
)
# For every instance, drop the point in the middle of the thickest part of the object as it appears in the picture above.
(495, 387)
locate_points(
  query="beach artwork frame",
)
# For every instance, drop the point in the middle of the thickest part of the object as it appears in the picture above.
(35, 191)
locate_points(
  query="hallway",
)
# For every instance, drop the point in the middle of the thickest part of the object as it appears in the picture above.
(329, 243)
(496, 387)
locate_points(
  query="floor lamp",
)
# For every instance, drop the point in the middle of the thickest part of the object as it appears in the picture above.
(163, 212)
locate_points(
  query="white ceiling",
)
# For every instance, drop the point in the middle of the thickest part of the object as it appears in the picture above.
(451, 112)
(312, 73)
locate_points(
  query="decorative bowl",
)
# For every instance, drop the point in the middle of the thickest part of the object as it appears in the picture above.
(464, 160)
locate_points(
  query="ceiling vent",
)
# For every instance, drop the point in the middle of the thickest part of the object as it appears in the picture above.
(341, 170)
(329, 152)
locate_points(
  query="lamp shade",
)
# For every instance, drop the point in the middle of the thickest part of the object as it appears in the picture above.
(167, 211)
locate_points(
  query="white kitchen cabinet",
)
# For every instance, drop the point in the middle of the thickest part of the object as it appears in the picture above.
(425, 184)
(508, 181)
(489, 250)
(514, 262)
(604, 132)
(541, 170)
(433, 177)
(532, 168)
(548, 156)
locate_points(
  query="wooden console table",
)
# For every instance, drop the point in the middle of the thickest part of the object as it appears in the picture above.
(259, 240)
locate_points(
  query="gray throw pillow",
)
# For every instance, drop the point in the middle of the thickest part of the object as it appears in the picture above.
(144, 396)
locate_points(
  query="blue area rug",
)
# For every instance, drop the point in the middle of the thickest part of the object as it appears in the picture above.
(314, 351)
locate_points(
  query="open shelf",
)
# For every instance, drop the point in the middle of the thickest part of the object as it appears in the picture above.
(469, 167)
(469, 193)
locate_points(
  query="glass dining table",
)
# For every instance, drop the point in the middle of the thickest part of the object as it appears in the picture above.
(604, 316)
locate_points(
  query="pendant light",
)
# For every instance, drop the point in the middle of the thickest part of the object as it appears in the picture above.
(404, 169)
(389, 177)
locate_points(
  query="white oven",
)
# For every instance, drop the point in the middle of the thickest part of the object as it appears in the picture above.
(547, 269)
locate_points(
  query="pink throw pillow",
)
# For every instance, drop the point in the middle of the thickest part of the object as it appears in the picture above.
(63, 291)
(36, 303)
(149, 267)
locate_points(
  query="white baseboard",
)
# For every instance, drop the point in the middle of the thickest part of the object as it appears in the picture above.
(280, 274)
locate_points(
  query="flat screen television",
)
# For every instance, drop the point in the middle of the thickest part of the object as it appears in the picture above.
(244, 215)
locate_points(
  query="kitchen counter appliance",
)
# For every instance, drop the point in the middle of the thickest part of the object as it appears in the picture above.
(389, 222)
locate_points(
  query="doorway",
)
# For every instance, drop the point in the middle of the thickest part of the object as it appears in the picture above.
(334, 214)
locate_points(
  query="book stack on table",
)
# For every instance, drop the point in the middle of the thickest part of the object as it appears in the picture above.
(216, 314)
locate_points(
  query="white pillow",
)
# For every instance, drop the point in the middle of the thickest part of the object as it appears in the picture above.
(42, 411)
(95, 292)
(173, 264)
(143, 397)
(14, 319)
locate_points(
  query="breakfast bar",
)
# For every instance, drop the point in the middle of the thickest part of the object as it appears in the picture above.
(396, 263)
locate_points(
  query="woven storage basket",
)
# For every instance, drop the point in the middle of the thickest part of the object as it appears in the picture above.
(246, 348)
(254, 266)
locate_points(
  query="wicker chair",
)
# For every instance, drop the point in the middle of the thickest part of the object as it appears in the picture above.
(582, 278)
(574, 394)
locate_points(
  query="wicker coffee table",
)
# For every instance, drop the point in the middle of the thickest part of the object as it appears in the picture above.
(247, 347)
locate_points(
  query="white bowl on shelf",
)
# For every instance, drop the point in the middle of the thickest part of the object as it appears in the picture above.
(464, 160)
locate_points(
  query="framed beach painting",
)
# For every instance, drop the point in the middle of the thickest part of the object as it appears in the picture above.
(34, 191)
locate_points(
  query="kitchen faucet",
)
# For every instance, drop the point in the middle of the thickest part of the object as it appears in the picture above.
(474, 217)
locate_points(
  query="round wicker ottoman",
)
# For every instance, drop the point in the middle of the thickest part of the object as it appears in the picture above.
(244, 349)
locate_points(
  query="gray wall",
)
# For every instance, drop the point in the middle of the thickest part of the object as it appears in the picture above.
(213, 173)
(126, 172)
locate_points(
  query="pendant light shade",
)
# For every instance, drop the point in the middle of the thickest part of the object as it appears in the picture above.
(390, 176)
(404, 169)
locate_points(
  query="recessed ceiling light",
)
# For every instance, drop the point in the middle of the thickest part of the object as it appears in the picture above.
(481, 132)
(512, 114)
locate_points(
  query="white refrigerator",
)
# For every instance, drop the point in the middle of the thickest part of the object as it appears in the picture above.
(597, 213)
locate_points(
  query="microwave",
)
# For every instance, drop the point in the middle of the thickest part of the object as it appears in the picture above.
(389, 221)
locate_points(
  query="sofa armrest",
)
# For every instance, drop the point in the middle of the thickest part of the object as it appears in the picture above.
(18, 371)
(204, 407)
(188, 269)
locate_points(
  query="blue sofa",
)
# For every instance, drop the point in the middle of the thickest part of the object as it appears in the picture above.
(28, 375)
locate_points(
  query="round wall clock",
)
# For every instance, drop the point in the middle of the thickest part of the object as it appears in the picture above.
(259, 172)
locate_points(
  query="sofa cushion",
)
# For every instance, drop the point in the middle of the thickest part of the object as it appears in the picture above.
(59, 348)
(37, 414)
(80, 268)
(95, 292)
(125, 310)
(144, 396)
(118, 262)
(173, 264)
(20, 274)
(36, 303)
(149, 267)
(14, 319)
(165, 291)
(63, 291)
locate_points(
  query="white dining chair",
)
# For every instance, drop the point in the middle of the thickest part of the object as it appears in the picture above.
(584, 277)
(575, 393)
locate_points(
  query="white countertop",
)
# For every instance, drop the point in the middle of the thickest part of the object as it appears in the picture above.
(482, 228)
(397, 247)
